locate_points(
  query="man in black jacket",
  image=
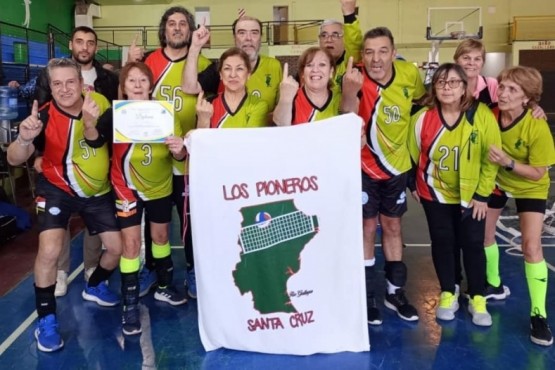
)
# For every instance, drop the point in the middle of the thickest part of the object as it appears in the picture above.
(83, 46)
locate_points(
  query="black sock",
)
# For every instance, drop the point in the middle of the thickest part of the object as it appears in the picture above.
(164, 271)
(45, 300)
(99, 275)
(396, 273)
(370, 274)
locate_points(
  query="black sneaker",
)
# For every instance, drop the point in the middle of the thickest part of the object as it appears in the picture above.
(373, 313)
(170, 295)
(498, 293)
(399, 303)
(131, 320)
(539, 331)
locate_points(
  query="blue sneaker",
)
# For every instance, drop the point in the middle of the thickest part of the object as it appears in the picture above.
(147, 280)
(100, 294)
(47, 334)
(191, 283)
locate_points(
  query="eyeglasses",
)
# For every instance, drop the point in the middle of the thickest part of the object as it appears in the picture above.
(333, 35)
(452, 83)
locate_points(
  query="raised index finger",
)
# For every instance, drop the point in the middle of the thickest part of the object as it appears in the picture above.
(200, 96)
(134, 43)
(285, 71)
(349, 65)
(35, 109)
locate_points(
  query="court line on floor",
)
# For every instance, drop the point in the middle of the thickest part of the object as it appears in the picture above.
(29, 320)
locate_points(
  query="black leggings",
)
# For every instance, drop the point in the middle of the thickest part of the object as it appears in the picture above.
(450, 231)
(178, 199)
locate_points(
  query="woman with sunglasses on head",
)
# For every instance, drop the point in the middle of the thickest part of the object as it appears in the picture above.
(449, 142)
(526, 152)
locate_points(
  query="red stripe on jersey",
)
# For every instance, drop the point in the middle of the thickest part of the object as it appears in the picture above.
(120, 183)
(57, 148)
(431, 128)
(220, 112)
(370, 159)
(158, 63)
(303, 109)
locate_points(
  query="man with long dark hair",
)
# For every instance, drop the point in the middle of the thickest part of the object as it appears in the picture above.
(166, 63)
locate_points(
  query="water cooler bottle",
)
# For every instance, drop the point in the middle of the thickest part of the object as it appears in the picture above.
(8, 112)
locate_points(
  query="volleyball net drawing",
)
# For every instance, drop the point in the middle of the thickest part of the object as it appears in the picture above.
(270, 231)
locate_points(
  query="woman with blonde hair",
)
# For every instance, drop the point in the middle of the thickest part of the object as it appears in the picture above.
(471, 56)
(526, 152)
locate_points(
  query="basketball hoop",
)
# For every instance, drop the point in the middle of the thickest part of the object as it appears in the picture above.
(458, 35)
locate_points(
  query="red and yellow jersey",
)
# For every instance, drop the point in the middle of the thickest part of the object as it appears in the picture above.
(142, 170)
(68, 162)
(167, 86)
(385, 110)
(251, 112)
(305, 111)
(452, 161)
(264, 81)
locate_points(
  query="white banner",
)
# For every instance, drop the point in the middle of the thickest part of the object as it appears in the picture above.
(277, 234)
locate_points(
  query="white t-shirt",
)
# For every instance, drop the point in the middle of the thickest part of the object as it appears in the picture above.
(89, 77)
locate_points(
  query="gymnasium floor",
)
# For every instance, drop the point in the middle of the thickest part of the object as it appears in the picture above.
(170, 338)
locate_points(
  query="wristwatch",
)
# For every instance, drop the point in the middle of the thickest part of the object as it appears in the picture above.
(510, 166)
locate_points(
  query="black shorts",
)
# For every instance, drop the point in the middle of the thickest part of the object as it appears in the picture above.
(387, 197)
(55, 206)
(131, 213)
(498, 200)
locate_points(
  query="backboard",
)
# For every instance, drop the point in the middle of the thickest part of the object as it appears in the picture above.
(454, 23)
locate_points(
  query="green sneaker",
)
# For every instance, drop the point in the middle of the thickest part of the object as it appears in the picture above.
(448, 305)
(478, 311)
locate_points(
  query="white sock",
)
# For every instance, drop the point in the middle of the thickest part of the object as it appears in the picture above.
(391, 289)
(370, 262)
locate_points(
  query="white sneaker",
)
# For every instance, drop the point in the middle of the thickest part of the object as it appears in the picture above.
(61, 284)
(88, 273)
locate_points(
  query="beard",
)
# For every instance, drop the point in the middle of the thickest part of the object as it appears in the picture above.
(82, 60)
(178, 44)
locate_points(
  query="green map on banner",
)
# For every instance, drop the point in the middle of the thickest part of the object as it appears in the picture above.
(272, 237)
